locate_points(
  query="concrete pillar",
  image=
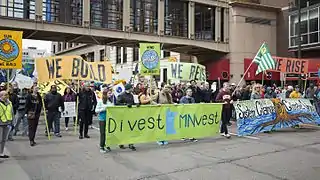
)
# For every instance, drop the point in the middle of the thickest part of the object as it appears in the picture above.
(161, 17)
(126, 15)
(226, 25)
(218, 24)
(191, 23)
(86, 13)
(39, 9)
(3, 8)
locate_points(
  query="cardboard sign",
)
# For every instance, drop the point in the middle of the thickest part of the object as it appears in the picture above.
(72, 67)
(186, 72)
(69, 109)
(291, 65)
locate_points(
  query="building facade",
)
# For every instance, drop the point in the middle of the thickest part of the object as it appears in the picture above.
(243, 25)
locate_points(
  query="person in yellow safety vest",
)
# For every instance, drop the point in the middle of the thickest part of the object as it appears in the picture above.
(6, 116)
(296, 93)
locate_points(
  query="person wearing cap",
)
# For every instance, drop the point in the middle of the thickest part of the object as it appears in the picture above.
(86, 107)
(53, 101)
(296, 93)
(126, 99)
(6, 117)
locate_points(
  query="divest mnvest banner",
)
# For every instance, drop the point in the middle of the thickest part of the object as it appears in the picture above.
(186, 71)
(166, 122)
(72, 67)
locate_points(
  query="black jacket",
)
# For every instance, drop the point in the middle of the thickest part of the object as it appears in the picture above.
(87, 101)
(125, 99)
(13, 97)
(33, 104)
(53, 102)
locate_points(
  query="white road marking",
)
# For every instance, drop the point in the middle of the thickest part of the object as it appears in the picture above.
(249, 137)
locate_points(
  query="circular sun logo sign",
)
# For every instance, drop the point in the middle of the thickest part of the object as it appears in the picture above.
(9, 50)
(150, 59)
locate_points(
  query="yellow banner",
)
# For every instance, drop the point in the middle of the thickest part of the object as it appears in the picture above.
(72, 67)
(45, 87)
(10, 49)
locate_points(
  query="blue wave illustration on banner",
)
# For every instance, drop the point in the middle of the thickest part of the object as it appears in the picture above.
(288, 113)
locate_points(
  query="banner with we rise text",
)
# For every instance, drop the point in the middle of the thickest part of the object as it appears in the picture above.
(166, 122)
(72, 67)
(262, 115)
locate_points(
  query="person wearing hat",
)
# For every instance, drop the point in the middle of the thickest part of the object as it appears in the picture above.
(86, 107)
(126, 99)
(296, 93)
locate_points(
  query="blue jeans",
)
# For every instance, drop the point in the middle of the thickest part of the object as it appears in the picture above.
(21, 117)
(54, 118)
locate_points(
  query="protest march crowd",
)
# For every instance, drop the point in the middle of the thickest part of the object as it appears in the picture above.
(24, 106)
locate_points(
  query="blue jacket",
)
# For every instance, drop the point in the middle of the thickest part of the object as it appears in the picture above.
(187, 100)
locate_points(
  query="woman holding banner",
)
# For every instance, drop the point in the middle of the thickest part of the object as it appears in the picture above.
(108, 100)
(33, 110)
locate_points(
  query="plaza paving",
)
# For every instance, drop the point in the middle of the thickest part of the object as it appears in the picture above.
(289, 154)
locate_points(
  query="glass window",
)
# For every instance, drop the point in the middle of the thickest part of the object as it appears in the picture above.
(166, 54)
(313, 37)
(176, 18)
(125, 55)
(118, 55)
(102, 55)
(144, 16)
(135, 54)
(204, 22)
(313, 20)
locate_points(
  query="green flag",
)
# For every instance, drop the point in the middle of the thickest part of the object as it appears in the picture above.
(263, 59)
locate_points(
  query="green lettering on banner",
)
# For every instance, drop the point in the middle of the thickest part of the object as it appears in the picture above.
(166, 122)
(186, 71)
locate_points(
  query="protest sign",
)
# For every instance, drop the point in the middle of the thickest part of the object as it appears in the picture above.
(72, 67)
(166, 122)
(69, 109)
(23, 81)
(150, 58)
(10, 49)
(256, 116)
(45, 87)
(291, 65)
(186, 71)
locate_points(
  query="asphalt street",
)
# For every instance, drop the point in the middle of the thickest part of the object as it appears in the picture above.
(291, 154)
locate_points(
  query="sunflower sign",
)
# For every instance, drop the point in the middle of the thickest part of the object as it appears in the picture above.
(10, 49)
(149, 58)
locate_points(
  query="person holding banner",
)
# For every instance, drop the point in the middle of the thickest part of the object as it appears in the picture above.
(6, 117)
(224, 96)
(108, 100)
(33, 111)
(53, 101)
(126, 99)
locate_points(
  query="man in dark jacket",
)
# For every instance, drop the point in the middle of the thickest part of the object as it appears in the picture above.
(13, 97)
(53, 101)
(126, 99)
(87, 105)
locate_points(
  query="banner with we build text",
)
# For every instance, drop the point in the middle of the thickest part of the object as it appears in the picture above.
(166, 122)
(257, 116)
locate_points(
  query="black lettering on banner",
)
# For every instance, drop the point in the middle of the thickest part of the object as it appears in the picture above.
(121, 125)
(102, 73)
(58, 84)
(75, 67)
(302, 67)
(92, 75)
(180, 69)
(151, 122)
(58, 68)
(51, 68)
(279, 64)
(174, 70)
(203, 74)
(192, 72)
(297, 67)
(185, 118)
(196, 77)
(286, 105)
(141, 124)
(288, 66)
(84, 69)
(132, 126)
(159, 122)
(112, 129)
(204, 120)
